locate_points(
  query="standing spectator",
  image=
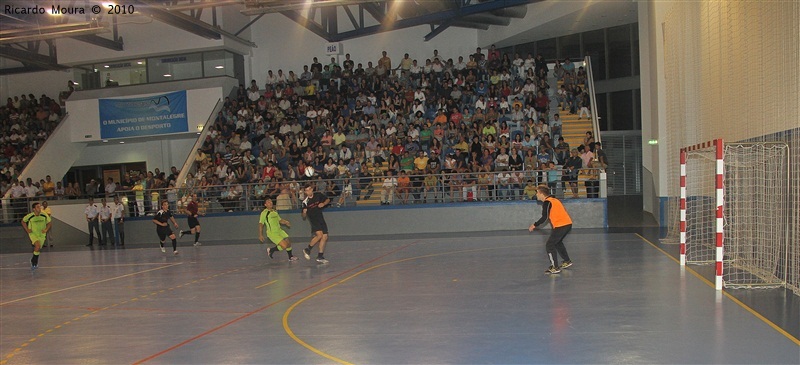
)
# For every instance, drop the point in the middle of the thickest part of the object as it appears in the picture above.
(111, 187)
(49, 187)
(553, 210)
(91, 212)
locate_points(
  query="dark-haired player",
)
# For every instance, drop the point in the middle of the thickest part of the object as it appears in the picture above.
(312, 209)
(553, 210)
(162, 219)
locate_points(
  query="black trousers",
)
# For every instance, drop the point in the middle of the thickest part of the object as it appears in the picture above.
(555, 244)
(94, 226)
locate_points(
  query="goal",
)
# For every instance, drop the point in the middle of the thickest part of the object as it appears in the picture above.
(734, 211)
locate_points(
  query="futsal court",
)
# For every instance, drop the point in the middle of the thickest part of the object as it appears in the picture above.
(432, 299)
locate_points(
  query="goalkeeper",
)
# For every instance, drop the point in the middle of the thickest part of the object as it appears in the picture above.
(270, 221)
(553, 210)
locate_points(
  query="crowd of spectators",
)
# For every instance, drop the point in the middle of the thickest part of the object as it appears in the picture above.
(484, 113)
(478, 127)
(25, 124)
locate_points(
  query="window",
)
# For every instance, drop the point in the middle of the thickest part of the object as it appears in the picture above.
(602, 111)
(547, 48)
(594, 46)
(217, 63)
(619, 51)
(570, 46)
(178, 67)
(621, 110)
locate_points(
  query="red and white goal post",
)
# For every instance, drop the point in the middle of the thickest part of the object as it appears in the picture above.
(734, 211)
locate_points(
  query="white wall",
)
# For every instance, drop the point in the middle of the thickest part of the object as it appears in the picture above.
(284, 44)
(50, 83)
(653, 87)
(160, 153)
(199, 104)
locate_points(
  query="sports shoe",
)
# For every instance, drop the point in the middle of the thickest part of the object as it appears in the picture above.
(293, 259)
(175, 252)
(565, 264)
(322, 260)
(181, 233)
(552, 270)
(307, 253)
(270, 251)
(163, 249)
(197, 244)
(34, 267)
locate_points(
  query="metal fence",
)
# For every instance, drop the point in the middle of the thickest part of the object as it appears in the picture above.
(345, 192)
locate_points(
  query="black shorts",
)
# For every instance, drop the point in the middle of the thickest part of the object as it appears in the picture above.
(193, 222)
(319, 226)
(163, 232)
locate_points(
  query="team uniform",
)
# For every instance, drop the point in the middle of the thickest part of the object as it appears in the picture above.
(272, 223)
(194, 224)
(163, 216)
(37, 224)
(554, 210)
(314, 212)
(192, 209)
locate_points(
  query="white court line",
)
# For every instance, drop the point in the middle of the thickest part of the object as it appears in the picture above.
(87, 284)
(81, 266)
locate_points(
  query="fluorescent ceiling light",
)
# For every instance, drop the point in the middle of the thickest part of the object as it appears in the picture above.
(219, 67)
(167, 75)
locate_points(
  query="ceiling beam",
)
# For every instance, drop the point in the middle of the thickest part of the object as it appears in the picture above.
(52, 35)
(435, 18)
(115, 45)
(188, 23)
(30, 59)
(308, 24)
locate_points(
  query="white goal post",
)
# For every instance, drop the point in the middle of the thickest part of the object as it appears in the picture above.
(734, 211)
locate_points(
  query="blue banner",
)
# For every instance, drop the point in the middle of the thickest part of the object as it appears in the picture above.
(135, 117)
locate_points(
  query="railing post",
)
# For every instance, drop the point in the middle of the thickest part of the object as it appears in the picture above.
(603, 184)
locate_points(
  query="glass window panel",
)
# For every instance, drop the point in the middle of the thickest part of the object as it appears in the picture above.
(637, 109)
(594, 46)
(217, 63)
(619, 51)
(546, 48)
(621, 110)
(635, 48)
(524, 49)
(178, 67)
(121, 73)
(570, 46)
(602, 111)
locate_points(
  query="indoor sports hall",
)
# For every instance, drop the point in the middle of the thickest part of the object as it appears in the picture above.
(414, 118)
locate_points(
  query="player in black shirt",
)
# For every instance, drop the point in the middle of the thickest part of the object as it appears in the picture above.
(162, 219)
(312, 209)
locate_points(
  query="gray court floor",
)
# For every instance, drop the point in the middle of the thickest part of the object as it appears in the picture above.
(472, 299)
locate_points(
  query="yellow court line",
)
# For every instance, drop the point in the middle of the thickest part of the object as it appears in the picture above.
(87, 284)
(263, 285)
(335, 359)
(730, 296)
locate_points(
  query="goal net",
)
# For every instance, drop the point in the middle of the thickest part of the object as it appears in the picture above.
(734, 212)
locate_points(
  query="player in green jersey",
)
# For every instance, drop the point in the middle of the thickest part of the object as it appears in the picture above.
(270, 222)
(36, 224)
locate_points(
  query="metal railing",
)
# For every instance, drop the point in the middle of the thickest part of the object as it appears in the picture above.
(440, 188)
